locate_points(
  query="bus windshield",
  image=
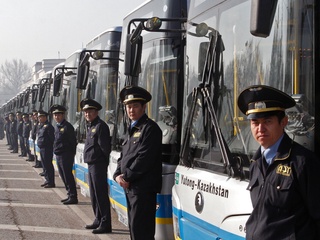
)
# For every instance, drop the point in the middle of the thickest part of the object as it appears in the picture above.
(283, 60)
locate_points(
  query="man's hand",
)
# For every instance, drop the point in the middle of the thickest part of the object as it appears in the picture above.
(122, 182)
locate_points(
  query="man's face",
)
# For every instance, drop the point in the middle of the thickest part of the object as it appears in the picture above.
(58, 117)
(268, 130)
(11, 117)
(135, 110)
(90, 114)
(25, 119)
(35, 117)
(42, 118)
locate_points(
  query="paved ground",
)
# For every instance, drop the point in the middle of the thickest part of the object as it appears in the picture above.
(30, 212)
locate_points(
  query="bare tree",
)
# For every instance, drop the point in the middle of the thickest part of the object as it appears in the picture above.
(14, 74)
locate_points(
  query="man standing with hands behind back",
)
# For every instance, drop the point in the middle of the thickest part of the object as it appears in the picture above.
(64, 148)
(45, 144)
(284, 176)
(96, 154)
(139, 169)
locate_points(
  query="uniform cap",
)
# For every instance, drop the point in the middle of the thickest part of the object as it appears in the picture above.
(25, 115)
(56, 108)
(260, 101)
(89, 103)
(42, 113)
(18, 113)
(34, 112)
(12, 114)
(134, 93)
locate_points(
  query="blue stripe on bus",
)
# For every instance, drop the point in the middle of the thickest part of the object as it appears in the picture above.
(195, 228)
(81, 172)
(164, 201)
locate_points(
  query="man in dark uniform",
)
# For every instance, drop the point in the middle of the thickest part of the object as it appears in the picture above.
(139, 169)
(13, 133)
(7, 130)
(96, 154)
(64, 148)
(284, 176)
(1, 127)
(20, 136)
(45, 143)
(25, 134)
(33, 135)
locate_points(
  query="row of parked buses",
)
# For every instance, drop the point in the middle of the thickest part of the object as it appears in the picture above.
(194, 57)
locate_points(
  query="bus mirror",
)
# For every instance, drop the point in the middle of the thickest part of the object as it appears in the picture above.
(132, 62)
(34, 95)
(203, 48)
(42, 93)
(26, 98)
(57, 80)
(83, 71)
(262, 15)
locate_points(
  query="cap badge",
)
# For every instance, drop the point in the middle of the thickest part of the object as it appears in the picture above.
(260, 105)
(130, 96)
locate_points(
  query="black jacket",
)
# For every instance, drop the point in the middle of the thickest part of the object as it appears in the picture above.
(140, 159)
(20, 127)
(64, 138)
(13, 127)
(26, 129)
(286, 201)
(34, 130)
(45, 135)
(97, 147)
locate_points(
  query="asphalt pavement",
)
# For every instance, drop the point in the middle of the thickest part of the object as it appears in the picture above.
(31, 212)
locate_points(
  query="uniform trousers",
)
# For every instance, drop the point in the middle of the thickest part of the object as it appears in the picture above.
(97, 178)
(141, 214)
(8, 136)
(46, 155)
(65, 162)
(27, 147)
(14, 142)
(22, 145)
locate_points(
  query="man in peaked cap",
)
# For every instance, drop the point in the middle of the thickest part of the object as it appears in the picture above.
(33, 135)
(25, 134)
(13, 133)
(45, 144)
(96, 154)
(20, 136)
(284, 179)
(64, 148)
(139, 168)
(7, 130)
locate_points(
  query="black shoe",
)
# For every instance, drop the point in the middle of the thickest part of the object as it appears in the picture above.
(64, 200)
(29, 160)
(102, 230)
(22, 155)
(10, 148)
(42, 174)
(94, 225)
(44, 184)
(36, 166)
(14, 152)
(71, 201)
(50, 186)
(104, 227)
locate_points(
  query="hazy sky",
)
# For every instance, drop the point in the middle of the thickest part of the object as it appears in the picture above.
(32, 30)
